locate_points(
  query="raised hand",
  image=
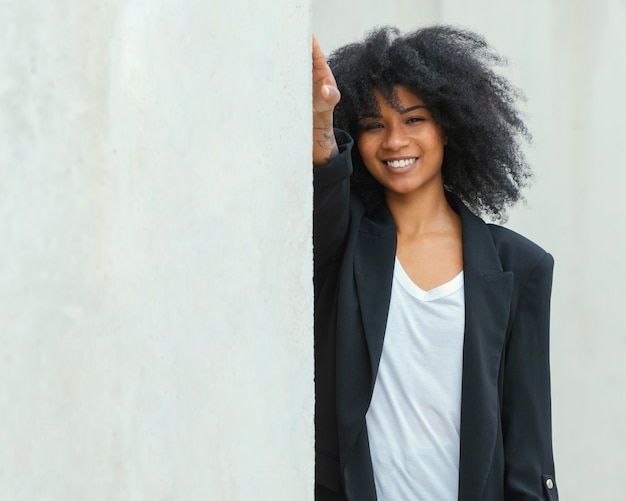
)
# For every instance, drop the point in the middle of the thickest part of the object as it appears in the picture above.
(325, 98)
(325, 92)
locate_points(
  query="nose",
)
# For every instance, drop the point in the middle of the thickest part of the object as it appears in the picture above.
(395, 138)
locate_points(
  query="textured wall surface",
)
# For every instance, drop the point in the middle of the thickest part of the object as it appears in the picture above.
(155, 276)
(568, 57)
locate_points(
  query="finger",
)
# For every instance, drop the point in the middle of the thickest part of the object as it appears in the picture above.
(318, 55)
(316, 45)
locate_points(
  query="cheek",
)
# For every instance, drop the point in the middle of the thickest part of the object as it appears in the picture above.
(436, 140)
(367, 151)
(442, 137)
(367, 148)
(370, 163)
(362, 147)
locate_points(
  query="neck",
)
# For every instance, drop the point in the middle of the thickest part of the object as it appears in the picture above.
(421, 213)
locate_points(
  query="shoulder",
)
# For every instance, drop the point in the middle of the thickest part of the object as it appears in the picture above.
(532, 270)
(517, 253)
(490, 248)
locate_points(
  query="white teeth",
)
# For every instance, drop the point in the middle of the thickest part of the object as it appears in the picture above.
(401, 163)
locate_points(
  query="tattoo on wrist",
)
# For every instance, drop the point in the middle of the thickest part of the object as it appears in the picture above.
(328, 126)
(328, 143)
(324, 140)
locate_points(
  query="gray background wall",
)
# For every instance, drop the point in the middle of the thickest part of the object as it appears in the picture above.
(568, 57)
(155, 252)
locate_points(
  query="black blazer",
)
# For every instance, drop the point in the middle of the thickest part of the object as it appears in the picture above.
(506, 445)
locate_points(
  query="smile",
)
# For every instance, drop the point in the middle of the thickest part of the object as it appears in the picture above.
(396, 164)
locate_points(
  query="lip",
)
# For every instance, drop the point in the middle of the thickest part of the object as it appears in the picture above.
(400, 170)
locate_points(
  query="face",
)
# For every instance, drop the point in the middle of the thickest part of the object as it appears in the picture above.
(403, 148)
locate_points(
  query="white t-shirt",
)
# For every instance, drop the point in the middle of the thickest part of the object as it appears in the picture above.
(414, 417)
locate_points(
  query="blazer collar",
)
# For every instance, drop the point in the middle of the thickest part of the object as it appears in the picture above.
(479, 251)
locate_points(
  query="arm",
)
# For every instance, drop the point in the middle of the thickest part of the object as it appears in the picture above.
(333, 165)
(331, 197)
(526, 404)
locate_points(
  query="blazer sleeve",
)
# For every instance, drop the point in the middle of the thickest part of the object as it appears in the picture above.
(331, 198)
(526, 403)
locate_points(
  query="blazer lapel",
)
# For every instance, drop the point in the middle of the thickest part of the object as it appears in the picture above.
(376, 250)
(364, 302)
(488, 292)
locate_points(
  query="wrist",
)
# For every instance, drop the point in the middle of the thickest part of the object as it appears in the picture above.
(323, 120)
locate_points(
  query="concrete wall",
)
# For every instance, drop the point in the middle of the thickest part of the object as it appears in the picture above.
(155, 276)
(568, 57)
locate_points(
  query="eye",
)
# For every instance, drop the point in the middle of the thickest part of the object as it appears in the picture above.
(371, 126)
(414, 120)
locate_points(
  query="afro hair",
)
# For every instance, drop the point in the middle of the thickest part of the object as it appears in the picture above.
(452, 71)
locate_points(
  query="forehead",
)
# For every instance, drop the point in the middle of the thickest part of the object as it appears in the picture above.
(399, 99)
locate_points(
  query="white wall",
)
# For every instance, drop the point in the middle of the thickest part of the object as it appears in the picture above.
(155, 276)
(568, 57)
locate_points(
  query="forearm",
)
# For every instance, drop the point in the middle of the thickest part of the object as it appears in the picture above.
(324, 141)
(331, 190)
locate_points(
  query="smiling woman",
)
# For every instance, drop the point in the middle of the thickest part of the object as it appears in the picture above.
(431, 327)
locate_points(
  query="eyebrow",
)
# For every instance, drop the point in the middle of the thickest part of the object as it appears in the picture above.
(402, 111)
(411, 108)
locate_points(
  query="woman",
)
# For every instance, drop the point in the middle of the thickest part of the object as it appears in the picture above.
(431, 327)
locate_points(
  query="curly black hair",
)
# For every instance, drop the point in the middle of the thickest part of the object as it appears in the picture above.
(451, 70)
